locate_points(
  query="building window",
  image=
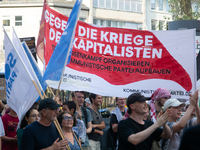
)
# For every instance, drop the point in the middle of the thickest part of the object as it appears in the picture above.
(121, 4)
(125, 5)
(195, 7)
(167, 6)
(114, 24)
(101, 3)
(18, 20)
(153, 4)
(82, 19)
(121, 25)
(6, 21)
(160, 5)
(108, 23)
(133, 5)
(139, 6)
(118, 24)
(95, 3)
(102, 23)
(114, 4)
(95, 21)
(161, 25)
(108, 4)
(153, 24)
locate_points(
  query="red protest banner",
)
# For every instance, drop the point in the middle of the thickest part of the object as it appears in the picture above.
(119, 56)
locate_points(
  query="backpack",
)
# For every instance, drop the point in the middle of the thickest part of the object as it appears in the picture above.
(85, 116)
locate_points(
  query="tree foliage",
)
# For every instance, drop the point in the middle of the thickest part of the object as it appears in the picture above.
(182, 10)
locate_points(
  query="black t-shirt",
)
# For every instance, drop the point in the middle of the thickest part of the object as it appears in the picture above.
(190, 139)
(113, 120)
(37, 136)
(130, 126)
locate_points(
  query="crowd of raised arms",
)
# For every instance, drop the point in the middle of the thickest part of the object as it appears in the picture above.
(137, 123)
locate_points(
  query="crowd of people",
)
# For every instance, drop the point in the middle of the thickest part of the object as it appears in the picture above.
(137, 123)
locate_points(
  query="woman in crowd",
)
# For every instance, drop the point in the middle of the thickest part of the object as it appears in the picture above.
(31, 115)
(79, 128)
(67, 121)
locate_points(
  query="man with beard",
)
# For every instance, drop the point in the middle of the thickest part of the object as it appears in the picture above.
(97, 123)
(136, 133)
(42, 134)
(83, 114)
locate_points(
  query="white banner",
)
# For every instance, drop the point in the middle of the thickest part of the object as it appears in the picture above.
(179, 44)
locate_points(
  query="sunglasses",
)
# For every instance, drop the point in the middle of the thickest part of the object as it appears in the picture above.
(35, 116)
(68, 118)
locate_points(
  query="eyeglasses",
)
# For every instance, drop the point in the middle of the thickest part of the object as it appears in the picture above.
(35, 116)
(68, 118)
(122, 99)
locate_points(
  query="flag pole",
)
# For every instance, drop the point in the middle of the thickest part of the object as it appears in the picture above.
(37, 89)
(59, 85)
(70, 46)
(61, 132)
(51, 91)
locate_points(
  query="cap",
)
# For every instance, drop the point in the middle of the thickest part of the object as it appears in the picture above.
(88, 100)
(48, 103)
(172, 102)
(136, 97)
(187, 103)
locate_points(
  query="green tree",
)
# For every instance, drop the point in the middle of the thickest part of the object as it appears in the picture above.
(182, 10)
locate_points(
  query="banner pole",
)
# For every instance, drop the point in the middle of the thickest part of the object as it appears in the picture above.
(58, 88)
(51, 91)
(60, 132)
(37, 89)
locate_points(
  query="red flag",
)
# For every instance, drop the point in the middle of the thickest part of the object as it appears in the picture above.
(40, 41)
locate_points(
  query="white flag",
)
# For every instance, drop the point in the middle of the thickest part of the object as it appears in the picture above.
(20, 90)
(16, 42)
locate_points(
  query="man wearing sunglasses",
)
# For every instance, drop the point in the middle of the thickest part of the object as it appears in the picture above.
(42, 134)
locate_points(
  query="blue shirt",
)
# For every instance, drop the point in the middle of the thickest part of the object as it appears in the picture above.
(89, 119)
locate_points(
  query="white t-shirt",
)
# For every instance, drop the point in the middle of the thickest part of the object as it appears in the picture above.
(2, 132)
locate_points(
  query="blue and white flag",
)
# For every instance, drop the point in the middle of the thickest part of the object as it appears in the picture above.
(62, 52)
(35, 66)
(20, 90)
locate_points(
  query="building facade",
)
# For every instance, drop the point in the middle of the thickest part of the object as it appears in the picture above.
(25, 15)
